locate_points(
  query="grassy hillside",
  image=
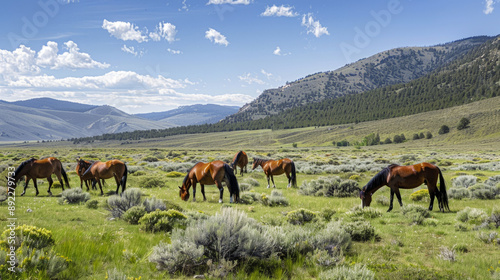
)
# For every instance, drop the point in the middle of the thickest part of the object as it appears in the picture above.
(395, 66)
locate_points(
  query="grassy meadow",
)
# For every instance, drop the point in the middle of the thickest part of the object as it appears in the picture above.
(99, 246)
(89, 243)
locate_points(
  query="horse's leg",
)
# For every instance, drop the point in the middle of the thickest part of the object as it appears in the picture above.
(398, 195)
(431, 204)
(221, 190)
(100, 186)
(49, 179)
(26, 185)
(60, 181)
(194, 191)
(268, 186)
(117, 183)
(391, 200)
(272, 179)
(289, 180)
(203, 192)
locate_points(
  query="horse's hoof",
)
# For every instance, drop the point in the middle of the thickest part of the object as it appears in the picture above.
(50, 194)
(220, 200)
(194, 199)
(268, 186)
(22, 193)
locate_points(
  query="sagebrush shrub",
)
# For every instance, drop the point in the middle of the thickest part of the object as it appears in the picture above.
(472, 216)
(30, 236)
(356, 272)
(329, 186)
(134, 214)
(277, 199)
(181, 256)
(484, 191)
(244, 187)
(360, 230)
(74, 196)
(152, 182)
(459, 193)
(367, 212)
(162, 220)
(92, 204)
(301, 216)
(415, 213)
(152, 204)
(249, 197)
(118, 205)
(464, 181)
(420, 195)
(447, 254)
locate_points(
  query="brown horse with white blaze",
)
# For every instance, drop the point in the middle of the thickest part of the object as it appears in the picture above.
(241, 160)
(105, 170)
(277, 167)
(40, 168)
(407, 177)
(212, 173)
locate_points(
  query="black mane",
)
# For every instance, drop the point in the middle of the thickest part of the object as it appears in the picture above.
(237, 158)
(379, 179)
(22, 165)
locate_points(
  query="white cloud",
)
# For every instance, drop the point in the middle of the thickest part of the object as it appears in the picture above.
(277, 51)
(488, 9)
(280, 11)
(247, 78)
(125, 31)
(164, 30)
(130, 50)
(313, 27)
(25, 61)
(268, 75)
(231, 2)
(215, 36)
(174, 51)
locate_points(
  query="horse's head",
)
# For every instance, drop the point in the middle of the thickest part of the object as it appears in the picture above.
(184, 193)
(255, 163)
(366, 198)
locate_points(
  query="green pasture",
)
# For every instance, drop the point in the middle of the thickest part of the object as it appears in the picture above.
(97, 244)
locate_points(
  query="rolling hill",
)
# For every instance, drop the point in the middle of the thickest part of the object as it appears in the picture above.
(51, 119)
(395, 66)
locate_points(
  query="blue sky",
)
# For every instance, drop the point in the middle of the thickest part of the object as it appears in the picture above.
(145, 56)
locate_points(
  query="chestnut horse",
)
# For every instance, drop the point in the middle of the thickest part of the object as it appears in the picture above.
(81, 167)
(407, 177)
(241, 160)
(212, 173)
(277, 167)
(105, 170)
(40, 168)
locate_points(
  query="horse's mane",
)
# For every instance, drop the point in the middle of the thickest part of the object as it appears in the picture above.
(260, 160)
(379, 179)
(187, 175)
(88, 169)
(237, 158)
(22, 165)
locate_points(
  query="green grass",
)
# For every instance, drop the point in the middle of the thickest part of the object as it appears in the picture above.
(97, 244)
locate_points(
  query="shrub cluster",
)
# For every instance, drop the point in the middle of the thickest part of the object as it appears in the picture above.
(415, 213)
(464, 181)
(330, 187)
(472, 216)
(162, 221)
(152, 182)
(356, 272)
(360, 230)
(301, 216)
(74, 196)
(118, 205)
(420, 195)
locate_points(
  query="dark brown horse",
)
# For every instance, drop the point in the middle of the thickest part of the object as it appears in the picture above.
(212, 173)
(40, 168)
(241, 160)
(407, 177)
(81, 167)
(277, 167)
(105, 170)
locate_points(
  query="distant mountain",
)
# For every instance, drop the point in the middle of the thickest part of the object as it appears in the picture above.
(193, 114)
(51, 119)
(54, 104)
(395, 66)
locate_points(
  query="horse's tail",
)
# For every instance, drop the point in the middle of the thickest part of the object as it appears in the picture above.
(294, 175)
(234, 188)
(65, 176)
(123, 182)
(444, 195)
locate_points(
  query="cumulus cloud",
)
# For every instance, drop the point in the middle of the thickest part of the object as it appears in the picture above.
(125, 31)
(249, 79)
(280, 11)
(25, 61)
(130, 50)
(313, 27)
(164, 30)
(215, 36)
(277, 51)
(174, 51)
(488, 9)
(231, 2)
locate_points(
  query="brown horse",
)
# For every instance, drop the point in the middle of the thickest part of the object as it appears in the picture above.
(277, 167)
(40, 168)
(212, 173)
(241, 160)
(81, 167)
(407, 177)
(105, 170)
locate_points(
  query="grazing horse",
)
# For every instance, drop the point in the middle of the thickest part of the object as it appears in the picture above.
(81, 167)
(105, 170)
(40, 168)
(277, 167)
(212, 173)
(241, 160)
(407, 177)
